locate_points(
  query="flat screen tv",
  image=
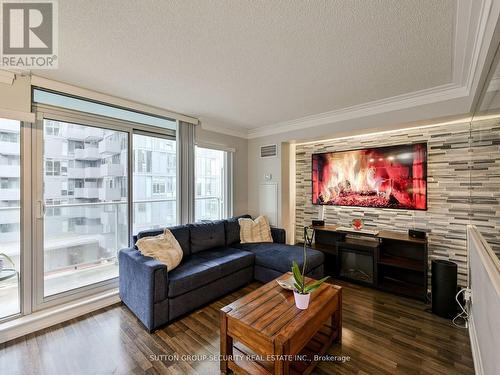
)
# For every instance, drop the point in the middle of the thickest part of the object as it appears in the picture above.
(382, 177)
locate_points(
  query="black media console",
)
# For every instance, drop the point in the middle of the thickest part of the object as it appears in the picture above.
(386, 260)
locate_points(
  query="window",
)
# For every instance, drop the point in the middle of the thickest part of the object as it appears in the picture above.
(79, 195)
(81, 238)
(159, 187)
(155, 203)
(212, 184)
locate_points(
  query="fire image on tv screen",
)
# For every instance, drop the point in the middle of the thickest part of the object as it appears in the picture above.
(384, 177)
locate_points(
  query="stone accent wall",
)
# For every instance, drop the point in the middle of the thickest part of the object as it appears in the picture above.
(463, 187)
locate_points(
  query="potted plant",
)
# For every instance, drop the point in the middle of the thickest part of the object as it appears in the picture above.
(302, 292)
(2, 257)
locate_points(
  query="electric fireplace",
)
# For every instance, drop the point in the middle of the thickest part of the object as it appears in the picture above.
(383, 177)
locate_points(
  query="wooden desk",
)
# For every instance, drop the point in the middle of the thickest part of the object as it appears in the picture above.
(266, 325)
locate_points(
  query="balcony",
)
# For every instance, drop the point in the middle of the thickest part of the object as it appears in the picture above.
(10, 170)
(10, 215)
(93, 134)
(109, 194)
(9, 126)
(9, 148)
(75, 133)
(76, 173)
(10, 194)
(87, 192)
(87, 153)
(9, 237)
(93, 212)
(108, 147)
(112, 170)
(88, 229)
(92, 172)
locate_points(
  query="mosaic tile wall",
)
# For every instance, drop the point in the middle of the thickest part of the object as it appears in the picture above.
(463, 186)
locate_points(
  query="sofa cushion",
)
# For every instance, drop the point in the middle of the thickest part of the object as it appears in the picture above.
(206, 236)
(180, 232)
(228, 259)
(232, 228)
(165, 248)
(205, 267)
(192, 273)
(255, 231)
(279, 256)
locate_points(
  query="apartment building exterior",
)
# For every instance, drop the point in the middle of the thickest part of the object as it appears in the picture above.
(86, 191)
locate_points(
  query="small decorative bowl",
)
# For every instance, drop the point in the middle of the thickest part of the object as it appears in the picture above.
(286, 284)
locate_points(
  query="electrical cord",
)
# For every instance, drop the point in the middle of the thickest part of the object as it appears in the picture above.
(463, 314)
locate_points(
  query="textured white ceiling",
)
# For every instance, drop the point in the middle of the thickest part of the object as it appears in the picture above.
(247, 64)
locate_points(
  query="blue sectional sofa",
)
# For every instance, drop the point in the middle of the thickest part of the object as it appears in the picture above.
(214, 263)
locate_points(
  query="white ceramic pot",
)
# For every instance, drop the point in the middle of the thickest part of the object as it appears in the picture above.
(301, 300)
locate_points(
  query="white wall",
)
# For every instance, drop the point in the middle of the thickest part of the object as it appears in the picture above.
(485, 307)
(240, 164)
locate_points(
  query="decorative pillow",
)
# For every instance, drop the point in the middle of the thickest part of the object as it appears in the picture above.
(164, 248)
(252, 231)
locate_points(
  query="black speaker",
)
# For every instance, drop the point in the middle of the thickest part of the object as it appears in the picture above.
(413, 233)
(318, 223)
(444, 288)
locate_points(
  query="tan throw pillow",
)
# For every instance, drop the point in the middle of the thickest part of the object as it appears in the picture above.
(164, 248)
(252, 231)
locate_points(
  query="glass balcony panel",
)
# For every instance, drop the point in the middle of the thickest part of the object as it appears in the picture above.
(86, 215)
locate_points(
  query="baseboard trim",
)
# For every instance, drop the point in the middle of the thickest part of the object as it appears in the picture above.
(43, 319)
(474, 344)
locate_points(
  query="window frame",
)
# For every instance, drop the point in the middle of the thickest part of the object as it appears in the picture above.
(43, 111)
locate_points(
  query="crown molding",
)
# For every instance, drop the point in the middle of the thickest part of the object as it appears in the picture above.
(240, 133)
(404, 101)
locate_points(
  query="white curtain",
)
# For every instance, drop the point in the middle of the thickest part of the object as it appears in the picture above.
(185, 173)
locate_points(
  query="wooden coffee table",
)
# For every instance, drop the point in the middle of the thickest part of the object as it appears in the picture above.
(264, 333)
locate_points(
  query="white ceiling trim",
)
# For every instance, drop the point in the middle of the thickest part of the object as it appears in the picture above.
(227, 131)
(469, 46)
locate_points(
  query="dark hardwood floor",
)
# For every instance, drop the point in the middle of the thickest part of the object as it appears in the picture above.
(382, 334)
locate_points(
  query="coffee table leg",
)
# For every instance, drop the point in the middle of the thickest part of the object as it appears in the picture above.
(337, 320)
(226, 341)
(281, 348)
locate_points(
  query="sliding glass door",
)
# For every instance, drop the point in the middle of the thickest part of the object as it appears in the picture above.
(155, 170)
(84, 204)
(10, 217)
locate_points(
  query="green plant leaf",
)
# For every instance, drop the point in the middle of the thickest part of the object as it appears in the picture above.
(315, 285)
(297, 288)
(296, 273)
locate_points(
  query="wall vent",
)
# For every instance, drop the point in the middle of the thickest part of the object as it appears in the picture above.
(268, 151)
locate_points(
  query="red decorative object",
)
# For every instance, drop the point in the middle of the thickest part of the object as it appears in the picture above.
(382, 177)
(357, 224)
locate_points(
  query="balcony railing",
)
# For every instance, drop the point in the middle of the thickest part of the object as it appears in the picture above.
(100, 229)
(10, 148)
(87, 153)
